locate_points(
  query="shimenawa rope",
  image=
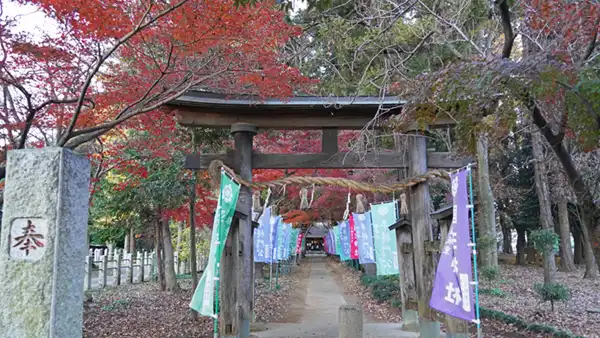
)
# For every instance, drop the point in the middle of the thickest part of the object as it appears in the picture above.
(216, 165)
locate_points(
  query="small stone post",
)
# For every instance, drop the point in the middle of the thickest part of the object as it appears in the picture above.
(142, 256)
(130, 268)
(89, 262)
(153, 267)
(350, 319)
(104, 262)
(117, 269)
(126, 244)
(44, 231)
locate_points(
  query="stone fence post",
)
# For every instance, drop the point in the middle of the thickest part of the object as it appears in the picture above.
(43, 243)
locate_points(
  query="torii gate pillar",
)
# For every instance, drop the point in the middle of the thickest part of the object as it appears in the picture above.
(243, 134)
(424, 262)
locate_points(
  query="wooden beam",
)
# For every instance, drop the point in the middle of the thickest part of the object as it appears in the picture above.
(436, 160)
(188, 116)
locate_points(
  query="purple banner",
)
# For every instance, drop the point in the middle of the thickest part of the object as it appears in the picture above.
(452, 289)
(364, 232)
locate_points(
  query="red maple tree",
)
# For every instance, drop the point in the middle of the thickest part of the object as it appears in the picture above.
(329, 202)
(111, 62)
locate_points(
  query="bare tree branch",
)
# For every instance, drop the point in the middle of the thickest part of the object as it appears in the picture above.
(88, 134)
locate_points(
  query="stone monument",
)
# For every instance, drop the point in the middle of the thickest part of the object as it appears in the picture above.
(43, 243)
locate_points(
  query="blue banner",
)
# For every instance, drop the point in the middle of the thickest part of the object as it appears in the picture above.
(336, 240)
(261, 235)
(285, 249)
(272, 239)
(345, 240)
(364, 232)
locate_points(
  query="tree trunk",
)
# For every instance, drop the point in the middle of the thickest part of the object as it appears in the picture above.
(506, 235)
(507, 241)
(178, 242)
(521, 244)
(589, 209)
(578, 246)
(591, 270)
(126, 243)
(193, 255)
(169, 259)
(487, 215)
(566, 251)
(159, 253)
(132, 240)
(541, 187)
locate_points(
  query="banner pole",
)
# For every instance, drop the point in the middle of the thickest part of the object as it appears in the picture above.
(216, 320)
(271, 275)
(277, 275)
(476, 278)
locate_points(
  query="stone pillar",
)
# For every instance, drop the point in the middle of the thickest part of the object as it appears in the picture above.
(43, 243)
(350, 319)
(243, 134)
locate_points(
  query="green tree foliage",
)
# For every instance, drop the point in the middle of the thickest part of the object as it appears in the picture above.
(130, 195)
(552, 292)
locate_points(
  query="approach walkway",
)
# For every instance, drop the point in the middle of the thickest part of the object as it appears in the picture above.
(319, 317)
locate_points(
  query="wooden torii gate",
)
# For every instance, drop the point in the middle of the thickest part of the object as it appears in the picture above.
(245, 116)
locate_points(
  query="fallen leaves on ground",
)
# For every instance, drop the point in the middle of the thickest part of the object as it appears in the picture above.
(350, 278)
(517, 282)
(142, 310)
(384, 312)
(271, 303)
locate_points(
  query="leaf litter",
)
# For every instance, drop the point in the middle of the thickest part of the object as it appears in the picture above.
(142, 310)
(383, 311)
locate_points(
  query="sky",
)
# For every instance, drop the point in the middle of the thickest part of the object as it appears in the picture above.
(30, 19)
(35, 22)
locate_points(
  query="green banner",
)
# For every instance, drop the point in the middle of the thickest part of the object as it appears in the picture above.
(204, 296)
(338, 243)
(294, 241)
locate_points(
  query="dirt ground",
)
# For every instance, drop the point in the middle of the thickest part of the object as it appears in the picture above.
(142, 310)
(520, 299)
(350, 280)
